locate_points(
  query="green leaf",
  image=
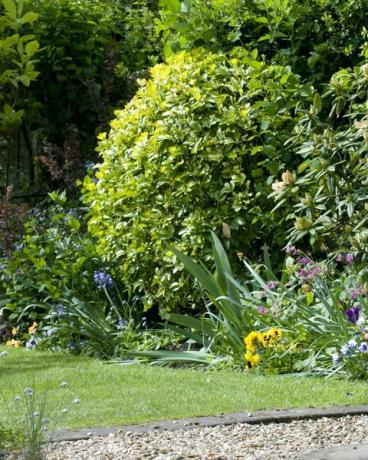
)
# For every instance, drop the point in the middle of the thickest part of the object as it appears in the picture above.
(203, 276)
(31, 48)
(198, 325)
(10, 8)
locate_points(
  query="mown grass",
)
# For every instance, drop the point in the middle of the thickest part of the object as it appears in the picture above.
(116, 395)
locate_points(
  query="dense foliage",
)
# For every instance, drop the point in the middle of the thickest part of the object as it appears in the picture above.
(314, 37)
(54, 260)
(90, 48)
(255, 128)
(328, 201)
(197, 149)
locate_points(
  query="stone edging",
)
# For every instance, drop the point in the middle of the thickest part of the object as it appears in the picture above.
(264, 416)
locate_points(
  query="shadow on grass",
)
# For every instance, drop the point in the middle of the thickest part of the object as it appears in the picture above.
(23, 364)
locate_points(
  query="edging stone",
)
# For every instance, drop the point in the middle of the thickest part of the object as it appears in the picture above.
(263, 416)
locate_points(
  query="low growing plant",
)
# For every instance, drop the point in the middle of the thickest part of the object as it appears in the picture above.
(313, 307)
(34, 418)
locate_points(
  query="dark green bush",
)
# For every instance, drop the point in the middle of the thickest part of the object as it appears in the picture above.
(54, 261)
(18, 53)
(90, 52)
(327, 205)
(315, 37)
(196, 150)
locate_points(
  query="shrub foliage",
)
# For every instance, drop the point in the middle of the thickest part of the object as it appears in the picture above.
(196, 150)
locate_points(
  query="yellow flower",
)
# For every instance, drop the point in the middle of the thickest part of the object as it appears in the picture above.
(270, 336)
(305, 288)
(276, 332)
(267, 338)
(14, 331)
(14, 343)
(32, 328)
(252, 339)
(248, 356)
(251, 359)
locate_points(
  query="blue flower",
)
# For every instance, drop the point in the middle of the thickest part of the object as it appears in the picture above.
(345, 350)
(103, 280)
(32, 342)
(122, 324)
(352, 343)
(363, 348)
(335, 359)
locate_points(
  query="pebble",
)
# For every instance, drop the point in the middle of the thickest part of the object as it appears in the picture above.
(275, 441)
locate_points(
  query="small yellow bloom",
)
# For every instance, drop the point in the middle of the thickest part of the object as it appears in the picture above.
(251, 359)
(248, 356)
(305, 288)
(252, 339)
(14, 343)
(276, 332)
(270, 336)
(14, 331)
(32, 328)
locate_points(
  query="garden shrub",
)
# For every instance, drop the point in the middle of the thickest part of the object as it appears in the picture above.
(17, 70)
(315, 37)
(89, 53)
(54, 261)
(327, 204)
(196, 149)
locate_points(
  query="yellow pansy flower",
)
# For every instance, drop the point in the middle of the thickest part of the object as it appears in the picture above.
(14, 343)
(32, 328)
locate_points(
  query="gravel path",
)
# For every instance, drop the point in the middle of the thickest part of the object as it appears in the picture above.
(267, 442)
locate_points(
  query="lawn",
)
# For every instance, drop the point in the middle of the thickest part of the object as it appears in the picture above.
(118, 395)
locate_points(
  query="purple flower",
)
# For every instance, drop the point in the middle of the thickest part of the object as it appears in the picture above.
(349, 258)
(262, 310)
(339, 258)
(357, 291)
(335, 359)
(363, 348)
(103, 280)
(314, 272)
(310, 273)
(272, 284)
(291, 250)
(304, 261)
(352, 314)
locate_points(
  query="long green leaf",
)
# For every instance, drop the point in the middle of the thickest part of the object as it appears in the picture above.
(222, 268)
(199, 325)
(202, 275)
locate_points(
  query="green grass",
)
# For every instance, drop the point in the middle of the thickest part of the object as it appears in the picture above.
(118, 395)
